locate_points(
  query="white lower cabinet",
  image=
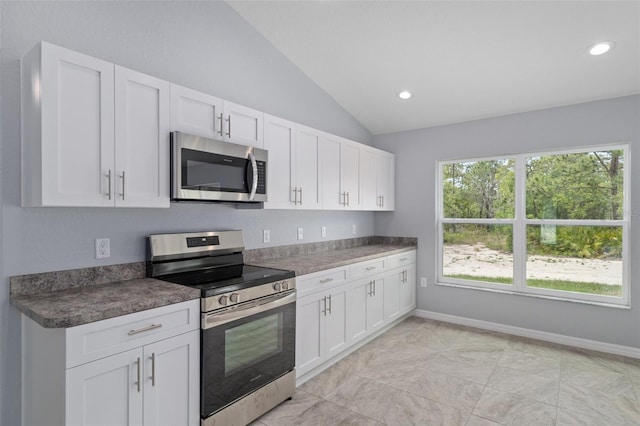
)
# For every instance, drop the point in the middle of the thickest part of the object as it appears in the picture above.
(366, 307)
(340, 307)
(322, 317)
(155, 381)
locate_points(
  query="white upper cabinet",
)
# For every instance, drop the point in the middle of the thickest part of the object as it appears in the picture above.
(385, 181)
(242, 125)
(196, 113)
(76, 151)
(339, 163)
(280, 141)
(307, 170)
(377, 180)
(67, 128)
(142, 140)
(204, 115)
(332, 197)
(349, 174)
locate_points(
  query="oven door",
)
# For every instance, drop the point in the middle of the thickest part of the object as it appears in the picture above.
(245, 347)
(206, 169)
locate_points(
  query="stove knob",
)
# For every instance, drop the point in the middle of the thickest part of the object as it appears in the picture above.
(285, 285)
(276, 287)
(234, 298)
(223, 300)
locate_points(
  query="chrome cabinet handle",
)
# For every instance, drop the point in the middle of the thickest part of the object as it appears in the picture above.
(228, 120)
(295, 196)
(143, 329)
(370, 268)
(153, 368)
(403, 259)
(348, 199)
(122, 184)
(370, 288)
(343, 198)
(138, 382)
(327, 280)
(254, 184)
(382, 201)
(221, 122)
(324, 306)
(300, 195)
(374, 288)
(108, 175)
(330, 304)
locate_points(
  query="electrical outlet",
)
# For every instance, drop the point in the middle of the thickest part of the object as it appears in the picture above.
(300, 235)
(103, 249)
(353, 229)
(266, 236)
(323, 232)
(423, 282)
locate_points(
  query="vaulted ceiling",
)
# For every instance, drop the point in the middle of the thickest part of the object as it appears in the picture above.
(462, 60)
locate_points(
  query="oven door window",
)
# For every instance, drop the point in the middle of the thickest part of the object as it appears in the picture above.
(241, 356)
(205, 171)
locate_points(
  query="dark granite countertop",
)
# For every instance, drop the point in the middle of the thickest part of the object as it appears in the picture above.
(308, 263)
(82, 305)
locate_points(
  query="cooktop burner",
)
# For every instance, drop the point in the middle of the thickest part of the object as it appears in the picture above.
(228, 278)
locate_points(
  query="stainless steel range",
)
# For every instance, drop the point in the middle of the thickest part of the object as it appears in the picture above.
(248, 322)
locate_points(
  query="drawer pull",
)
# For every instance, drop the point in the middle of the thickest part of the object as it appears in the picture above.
(371, 268)
(327, 280)
(403, 259)
(142, 330)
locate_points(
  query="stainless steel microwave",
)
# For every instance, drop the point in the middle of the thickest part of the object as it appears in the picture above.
(210, 170)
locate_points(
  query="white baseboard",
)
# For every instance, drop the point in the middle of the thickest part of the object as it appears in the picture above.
(533, 334)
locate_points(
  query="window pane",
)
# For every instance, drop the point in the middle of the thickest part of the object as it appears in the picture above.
(479, 190)
(582, 259)
(478, 252)
(586, 185)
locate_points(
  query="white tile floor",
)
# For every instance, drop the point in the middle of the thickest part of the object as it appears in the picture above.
(424, 372)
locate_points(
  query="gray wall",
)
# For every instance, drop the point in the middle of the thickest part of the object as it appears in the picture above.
(603, 122)
(202, 45)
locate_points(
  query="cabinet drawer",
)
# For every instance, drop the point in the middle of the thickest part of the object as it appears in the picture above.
(364, 269)
(99, 339)
(401, 259)
(307, 284)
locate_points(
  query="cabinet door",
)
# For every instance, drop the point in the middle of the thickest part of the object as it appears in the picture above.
(368, 174)
(357, 295)
(172, 381)
(77, 129)
(196, 113)
(310, 332)
(106, 392)
(332, 198)
(385, 181)
(349, 174)
(408, 290)
(142, 140)
(279, 140)
(307, 170)
(242, 125)
(336, 321)
(392, 283)
(375, 305)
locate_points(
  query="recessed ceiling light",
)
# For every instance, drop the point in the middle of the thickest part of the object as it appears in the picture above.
(601, 47)
(405, 94)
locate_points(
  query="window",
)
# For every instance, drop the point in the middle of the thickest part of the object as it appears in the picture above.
(550, 224)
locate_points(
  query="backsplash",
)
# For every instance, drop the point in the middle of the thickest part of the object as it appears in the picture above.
(62, 280)
(323, 246)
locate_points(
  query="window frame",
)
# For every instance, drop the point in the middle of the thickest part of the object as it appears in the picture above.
(520, 223)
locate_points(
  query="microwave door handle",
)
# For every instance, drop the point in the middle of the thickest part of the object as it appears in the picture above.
(254, 168)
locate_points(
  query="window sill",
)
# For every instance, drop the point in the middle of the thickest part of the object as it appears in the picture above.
(537, 296)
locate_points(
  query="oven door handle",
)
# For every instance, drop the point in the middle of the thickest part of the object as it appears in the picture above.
(254, 169)
(218, 318)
